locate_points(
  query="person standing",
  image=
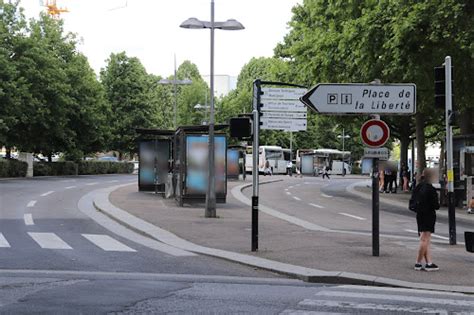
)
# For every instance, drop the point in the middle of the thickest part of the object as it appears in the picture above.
(405, 174)
(267, 169)
(425, 201)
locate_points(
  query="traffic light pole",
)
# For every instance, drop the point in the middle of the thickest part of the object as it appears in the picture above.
(255, 171)
(449, 152)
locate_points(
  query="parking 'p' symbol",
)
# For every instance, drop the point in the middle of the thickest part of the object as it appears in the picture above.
(332, 98)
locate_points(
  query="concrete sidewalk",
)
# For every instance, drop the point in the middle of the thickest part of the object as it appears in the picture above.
(309, 254)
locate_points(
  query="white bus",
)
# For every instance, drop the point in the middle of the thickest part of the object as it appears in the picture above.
(334, 159)
(275, 155)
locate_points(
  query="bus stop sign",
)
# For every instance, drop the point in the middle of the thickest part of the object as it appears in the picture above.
(374, 133)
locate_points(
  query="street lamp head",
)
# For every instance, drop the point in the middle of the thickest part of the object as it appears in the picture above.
(193, 23)
(232, 25)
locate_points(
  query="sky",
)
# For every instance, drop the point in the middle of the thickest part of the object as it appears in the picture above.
(149, 30)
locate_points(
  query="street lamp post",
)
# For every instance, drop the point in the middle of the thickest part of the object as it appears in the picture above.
(175, 82)
(343, 137)
(231, 24)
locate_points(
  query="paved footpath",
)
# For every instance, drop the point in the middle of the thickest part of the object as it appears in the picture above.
(288, 244)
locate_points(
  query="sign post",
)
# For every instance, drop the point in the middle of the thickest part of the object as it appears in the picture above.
(281, 109)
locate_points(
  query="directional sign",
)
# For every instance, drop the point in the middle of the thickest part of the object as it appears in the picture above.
(282, 93)
(283, 124)
(379, 153)
(358, 98)
(282, 105)
(286, 115)
(374, 133)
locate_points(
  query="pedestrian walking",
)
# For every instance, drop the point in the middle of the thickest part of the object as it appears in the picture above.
(326, 172)
(470, 208)
(405, 174)
(381, 179)
(267, 169)
(425, 202)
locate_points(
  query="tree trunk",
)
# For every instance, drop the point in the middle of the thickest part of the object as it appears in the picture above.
(420, 143)
(404, 143)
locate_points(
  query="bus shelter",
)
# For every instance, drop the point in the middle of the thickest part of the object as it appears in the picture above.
(236, 155)
(190, 167)
(154, 158)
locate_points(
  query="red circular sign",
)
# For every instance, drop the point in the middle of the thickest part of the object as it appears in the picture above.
(374, 133)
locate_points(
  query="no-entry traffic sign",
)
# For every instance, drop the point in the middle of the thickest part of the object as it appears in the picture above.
(360, 98)
(374, 133)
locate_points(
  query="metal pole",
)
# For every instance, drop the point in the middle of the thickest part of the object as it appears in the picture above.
(449, 153)
(256, 128)
(343, 139)
(210, 211)
(175, 107)
(291, 153)
(375, 208)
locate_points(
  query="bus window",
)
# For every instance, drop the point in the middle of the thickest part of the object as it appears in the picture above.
(273, 154)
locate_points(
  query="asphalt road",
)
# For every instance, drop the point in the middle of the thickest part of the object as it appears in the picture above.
(327, 203)
(54, 259)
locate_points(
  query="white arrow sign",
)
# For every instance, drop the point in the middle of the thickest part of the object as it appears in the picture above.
(282, 105)
(283, 124)
(287, 115)
(358, 98)
(281, 94)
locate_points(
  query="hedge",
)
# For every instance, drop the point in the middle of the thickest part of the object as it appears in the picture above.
(81, 168)
(13, 168)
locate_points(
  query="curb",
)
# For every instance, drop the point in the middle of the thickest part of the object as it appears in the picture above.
(101, 203)
(61, 176)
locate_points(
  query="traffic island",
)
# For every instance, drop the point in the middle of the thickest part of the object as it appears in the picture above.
(287, 248)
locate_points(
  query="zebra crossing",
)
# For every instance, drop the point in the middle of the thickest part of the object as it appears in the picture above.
(46, 240)
(346, 299)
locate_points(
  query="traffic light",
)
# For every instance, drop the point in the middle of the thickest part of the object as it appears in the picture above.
(440, 86)
(240, 127)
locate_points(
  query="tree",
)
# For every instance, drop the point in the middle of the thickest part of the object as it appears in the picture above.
(128, 87)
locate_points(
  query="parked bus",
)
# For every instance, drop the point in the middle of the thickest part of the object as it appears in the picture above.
(275, 155)
(336, 160)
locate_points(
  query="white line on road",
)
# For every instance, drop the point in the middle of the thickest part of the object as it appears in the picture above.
(47, 193)
(352, 216)
(325, 196)
(113, 181)
(390, 297)
(288, 193)
(107, 243)
(290, 187)
(286, 189)
(92, 184)
(70, 187)
(31, 203)
(28, 218)
(49, 241)
(3, 241)
(316, 206)
(432, 235)
(67, 180)
(296, 198)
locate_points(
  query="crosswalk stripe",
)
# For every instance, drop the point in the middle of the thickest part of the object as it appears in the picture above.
(391, 297)
(47, 193)
(3, 241)
(296, 198)
(316, 206)
(28, 218)
(107, 243)
(70, 187)
(31, 203)
(49, 241)
(371, 306)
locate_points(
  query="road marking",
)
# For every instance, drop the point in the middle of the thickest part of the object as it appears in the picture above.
(92, 184)
(325, 196)
(107, 243)
(352, 216)
(70, 187)
(31, 203)
(390, 297)
(296, 198)
(67, 180)
(47, 193)
(290, 187)
(288, 193)
(402, 309)
(316, 206)
(398, 290)
(49, 241)
(3, 241)
(432, 235)
(113, 181)
(28, 218)
(286, 189)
